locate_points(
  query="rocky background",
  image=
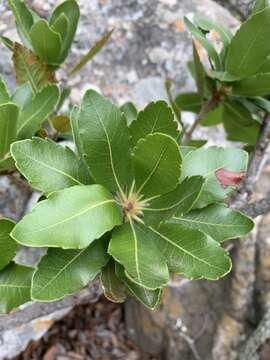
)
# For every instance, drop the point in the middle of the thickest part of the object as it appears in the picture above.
(197, 320)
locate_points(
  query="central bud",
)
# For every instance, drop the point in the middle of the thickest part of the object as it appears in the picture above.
(132, 205)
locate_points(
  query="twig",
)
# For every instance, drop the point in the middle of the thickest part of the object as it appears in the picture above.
(257, 208)
(257, 338)
(208, 106)
(257, 161)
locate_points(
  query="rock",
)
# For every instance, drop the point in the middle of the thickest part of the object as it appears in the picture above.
(239, 7)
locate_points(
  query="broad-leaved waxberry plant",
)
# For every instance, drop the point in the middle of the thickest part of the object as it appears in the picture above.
(133, 204)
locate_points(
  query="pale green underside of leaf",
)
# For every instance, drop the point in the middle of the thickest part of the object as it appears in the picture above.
(192, 253)
(134, 246)
(71, 218)
(46, 165)
(15, 283)
(22, 95)
(71, 10)
(157, 163)
(149, 298)
(104, 137)
(46, 42)
(204, 162)
(7, 244)
(157, 117)
(63, 272)
(217, 221)
(114, 289)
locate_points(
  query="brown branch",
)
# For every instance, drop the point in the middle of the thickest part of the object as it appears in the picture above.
(257, 338)
(257, 208)
(208, 106)
(37, 310)
(257, 160)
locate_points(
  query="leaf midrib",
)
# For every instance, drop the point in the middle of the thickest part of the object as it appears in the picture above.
(206, 223)
(184, 250)
(72, 217)
(54, 169)
(62, 269)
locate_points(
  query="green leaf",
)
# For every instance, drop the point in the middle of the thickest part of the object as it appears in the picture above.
(156, 117)
(64, 272)
(205, 162)
(4, 94)
(223, 76)
(104, 136)
(149, 298)
(22, 95)
(199, 72)
(15, 283)
(37, 111)
(24, 19)
(29, 67)
(134, 246)
(7, 164)
(265, 68)
(157, 163)
(196, 143)
(207, 24)
(262, 103)
(217, 221)
(60, 26)
(69, 218)
(7, 244)
(192, 253)
(46, 42)
(185, 150)
(248, 49)
(74, 117)
(95, 49)
(114, 289)
(259, 5)
(189, 102)
(8, 121)
(71, 10)
(257, 85)
(178, 201)
(239, 124)
(7, 42)
(46, 165)
(213, 117)
(200, 37)
(130, 111)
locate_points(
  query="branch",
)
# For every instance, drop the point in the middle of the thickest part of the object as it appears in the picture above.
(257, 208)
(258, 338)
(34, 311)
(208, 106)
(257, 161)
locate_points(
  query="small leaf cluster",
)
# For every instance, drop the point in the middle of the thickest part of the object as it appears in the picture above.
(38, 98)
(132, 204)
(236, 81)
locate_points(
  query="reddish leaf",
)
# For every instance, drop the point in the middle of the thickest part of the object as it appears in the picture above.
(227, 178)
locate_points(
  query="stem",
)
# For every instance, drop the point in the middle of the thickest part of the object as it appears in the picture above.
(208, 106)
(257, 160)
